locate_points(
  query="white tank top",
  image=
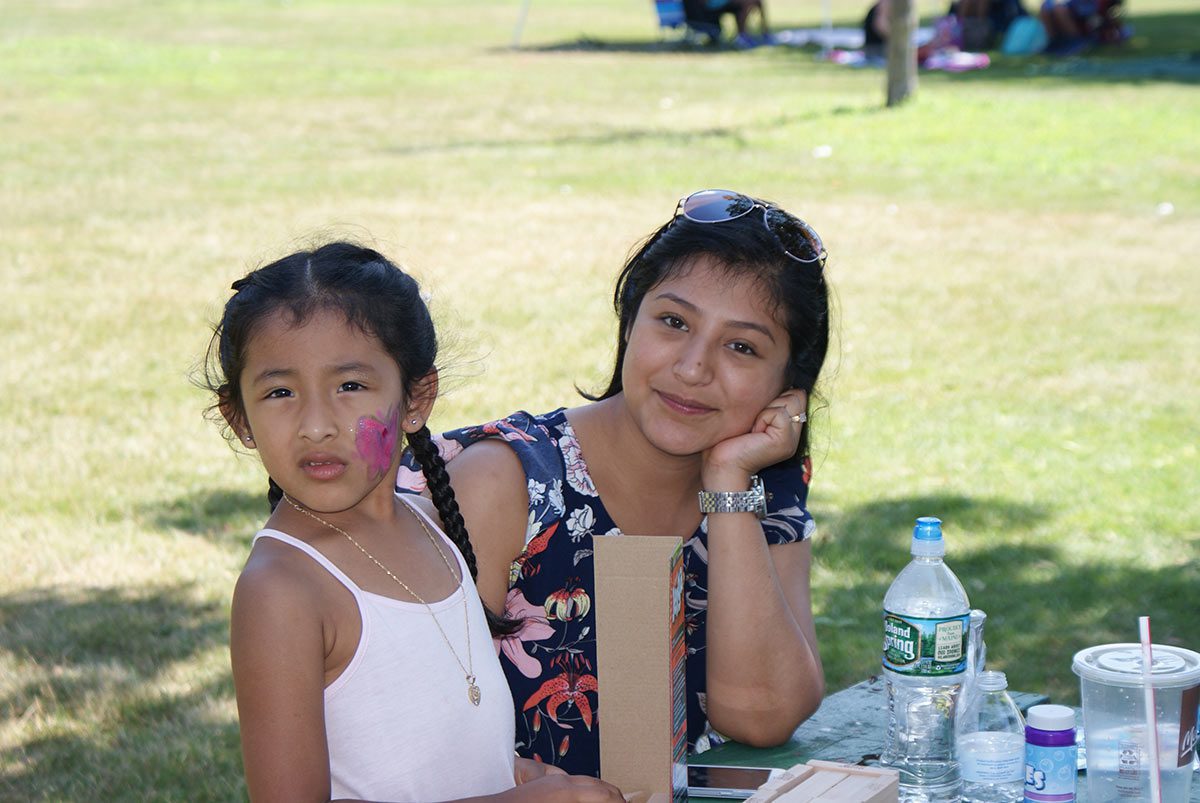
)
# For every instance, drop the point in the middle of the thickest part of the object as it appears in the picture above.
(398, 721)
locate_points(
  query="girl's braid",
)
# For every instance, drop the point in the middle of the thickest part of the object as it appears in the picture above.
(438, 481)
(274, 493)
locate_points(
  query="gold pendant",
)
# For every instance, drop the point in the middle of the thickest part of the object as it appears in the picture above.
(473, 693)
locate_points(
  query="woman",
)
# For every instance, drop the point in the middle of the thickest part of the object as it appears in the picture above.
(723, 328)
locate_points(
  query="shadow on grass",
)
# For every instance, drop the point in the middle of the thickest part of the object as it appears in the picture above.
(97, 707)
(1042, 604)
(1163, 49)
(225, 517)
(734, 135)
(586, 44)
(612, 136)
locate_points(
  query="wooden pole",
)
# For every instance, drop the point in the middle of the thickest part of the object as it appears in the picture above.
(901, 54)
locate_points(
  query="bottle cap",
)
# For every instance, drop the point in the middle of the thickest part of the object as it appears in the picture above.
(927, 537)
(1050, 718)
(992, 680)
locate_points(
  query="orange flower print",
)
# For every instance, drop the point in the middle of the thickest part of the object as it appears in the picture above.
(536, 545)
(568, 688)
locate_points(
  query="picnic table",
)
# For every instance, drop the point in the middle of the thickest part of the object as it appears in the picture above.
(849, 727)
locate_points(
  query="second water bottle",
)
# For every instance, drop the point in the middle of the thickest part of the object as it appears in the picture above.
(991, 743)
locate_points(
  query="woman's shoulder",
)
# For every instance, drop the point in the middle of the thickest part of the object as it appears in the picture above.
(518, 429)
(518, 444)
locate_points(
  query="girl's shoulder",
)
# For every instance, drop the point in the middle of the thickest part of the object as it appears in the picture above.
(281, 574)
(293, 625)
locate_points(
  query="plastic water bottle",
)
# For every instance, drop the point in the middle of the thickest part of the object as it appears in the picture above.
(991, 743)
(925, 621)
(976, 655)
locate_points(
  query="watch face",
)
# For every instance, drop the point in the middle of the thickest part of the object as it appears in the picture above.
(760, 496)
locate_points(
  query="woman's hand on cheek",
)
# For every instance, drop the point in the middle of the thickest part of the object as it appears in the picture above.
(772, 438)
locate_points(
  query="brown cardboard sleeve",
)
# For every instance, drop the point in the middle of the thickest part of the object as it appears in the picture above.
(640, 652)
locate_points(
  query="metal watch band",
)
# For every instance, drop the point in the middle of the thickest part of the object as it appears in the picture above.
(751, 501)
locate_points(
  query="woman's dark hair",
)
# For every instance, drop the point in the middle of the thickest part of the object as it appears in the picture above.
(376, 297)
(741, 248)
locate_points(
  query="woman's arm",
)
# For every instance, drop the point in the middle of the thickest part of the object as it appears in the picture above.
(490, 486)
(764, 670)
(278, 652)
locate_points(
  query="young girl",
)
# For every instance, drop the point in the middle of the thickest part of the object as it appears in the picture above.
(723, 326)
(362, 657)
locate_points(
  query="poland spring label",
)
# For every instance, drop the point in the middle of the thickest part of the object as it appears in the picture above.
(931, 647)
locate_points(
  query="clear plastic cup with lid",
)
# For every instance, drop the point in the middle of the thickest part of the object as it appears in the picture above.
(1115, 722)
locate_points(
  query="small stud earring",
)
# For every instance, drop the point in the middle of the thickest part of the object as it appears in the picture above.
(414, 422)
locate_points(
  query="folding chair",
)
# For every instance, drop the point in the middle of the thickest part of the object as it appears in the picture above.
(694, 19)
(670, 13)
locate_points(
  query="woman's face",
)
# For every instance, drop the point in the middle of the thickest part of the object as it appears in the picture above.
(705, 356)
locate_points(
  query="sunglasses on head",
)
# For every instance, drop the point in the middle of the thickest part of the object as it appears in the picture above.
(796, 237)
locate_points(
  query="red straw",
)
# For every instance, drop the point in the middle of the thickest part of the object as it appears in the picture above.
(1151, 716)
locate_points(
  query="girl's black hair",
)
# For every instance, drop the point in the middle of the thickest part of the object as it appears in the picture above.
(376, 297)
(742, 247)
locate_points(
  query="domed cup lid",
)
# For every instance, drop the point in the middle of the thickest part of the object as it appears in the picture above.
(1121, 665)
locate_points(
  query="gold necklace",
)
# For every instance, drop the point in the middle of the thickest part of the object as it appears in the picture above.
(473, 693)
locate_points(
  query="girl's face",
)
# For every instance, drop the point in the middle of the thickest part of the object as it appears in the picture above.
(324, 407)
(705, 356)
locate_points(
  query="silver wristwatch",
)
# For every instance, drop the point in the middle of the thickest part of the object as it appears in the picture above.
(751, 501)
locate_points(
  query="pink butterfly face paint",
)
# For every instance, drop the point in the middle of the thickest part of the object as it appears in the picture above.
(376, 439)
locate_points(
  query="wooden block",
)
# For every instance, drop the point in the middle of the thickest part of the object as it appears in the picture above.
(786, 780)
(877, 784)
(855, 769)
(831, 782)
(851, 790)
(812, 788)
(863, 784)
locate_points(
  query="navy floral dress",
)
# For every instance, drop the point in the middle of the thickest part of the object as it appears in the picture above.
(550, 662)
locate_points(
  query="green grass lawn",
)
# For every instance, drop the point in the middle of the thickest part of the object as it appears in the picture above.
(1018, 345)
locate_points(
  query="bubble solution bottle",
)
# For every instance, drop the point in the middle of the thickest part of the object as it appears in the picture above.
(1050, 754)
(990, 743)
(925, 621)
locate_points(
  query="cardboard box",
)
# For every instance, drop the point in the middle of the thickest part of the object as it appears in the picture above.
(640, 652)
(830, 782)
